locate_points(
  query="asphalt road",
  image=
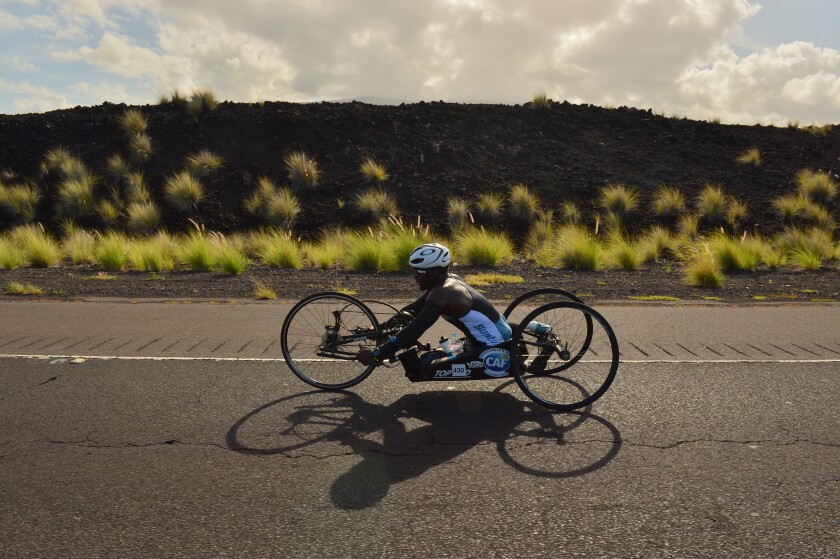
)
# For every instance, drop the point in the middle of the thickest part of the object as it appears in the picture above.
(208, 454)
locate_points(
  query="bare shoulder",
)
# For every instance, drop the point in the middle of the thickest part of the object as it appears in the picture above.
(443, 295)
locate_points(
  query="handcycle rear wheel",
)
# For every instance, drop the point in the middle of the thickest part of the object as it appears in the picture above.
(571, 366)
(320, 338)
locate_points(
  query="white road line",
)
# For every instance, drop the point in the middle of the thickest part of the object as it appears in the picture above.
(280, 360)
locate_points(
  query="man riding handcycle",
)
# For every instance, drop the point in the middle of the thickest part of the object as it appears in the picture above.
(562, 354)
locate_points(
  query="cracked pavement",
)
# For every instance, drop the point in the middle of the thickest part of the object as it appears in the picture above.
(225, 459)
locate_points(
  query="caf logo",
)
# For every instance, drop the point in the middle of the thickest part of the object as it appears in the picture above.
(496, 362)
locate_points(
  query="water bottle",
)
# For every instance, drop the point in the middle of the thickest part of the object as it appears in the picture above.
(445, 346)
(538, 327)
(456, 345)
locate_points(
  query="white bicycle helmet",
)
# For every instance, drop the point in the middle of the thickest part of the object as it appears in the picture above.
(430, 255)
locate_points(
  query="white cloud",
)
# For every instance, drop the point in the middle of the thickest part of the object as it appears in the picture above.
(33, 99)
(797, 81)
(672, 55)
(19, 64)
(38, 22)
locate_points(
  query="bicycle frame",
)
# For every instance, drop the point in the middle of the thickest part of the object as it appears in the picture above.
(566, 362)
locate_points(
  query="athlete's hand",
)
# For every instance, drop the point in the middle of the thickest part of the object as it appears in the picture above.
(365, 357)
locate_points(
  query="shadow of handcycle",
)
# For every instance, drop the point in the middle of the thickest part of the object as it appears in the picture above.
(414, 434)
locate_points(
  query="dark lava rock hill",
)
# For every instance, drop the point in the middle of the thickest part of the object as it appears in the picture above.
(432, 151)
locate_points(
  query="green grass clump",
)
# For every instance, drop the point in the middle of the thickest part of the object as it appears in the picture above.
(688, 227)
(132, 122)
(263, 291)
(655, 243)
(11, 257)
(277, 249)
(399, 241)
(328, 251)
(140, 148)
(619, 201)
(152, 254)
(176, 98)
(817, 187)
(735, 254)
(75, 197)
(322, 256)
(112, 251)
(19, 202)
(279, 207)
(18, 288)
(135, 187)
(256, 203)
(373, 171)
(736, 211)
(485, 280)
(541, 101)
(540, 236)
(282, 208)
(570, 213)
(808, 259)
(204, 163)
(623, 253)
(374, 204)
(819, 217)
(345, 290)
(458, 211)
(489, 207)
(575, 248)
(142, 218)
(483, 248)
(364, 252)
(78, 245)
(57, 160)
(523, 205)
(704, 271)
(118, 168)
(654, 298)
(302, 169)
(711, 205)
(39, 248)
(817, 130)
(668, 203)
(183, 191)
(201, 101)
(750, 157)
(790, 207)
(228, 257)
(814, 241)
(196, 250)
(108, 212)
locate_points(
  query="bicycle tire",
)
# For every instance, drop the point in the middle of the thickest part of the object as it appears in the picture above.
(542, 292)
(563, 295)
(594, 369)
(321, 335)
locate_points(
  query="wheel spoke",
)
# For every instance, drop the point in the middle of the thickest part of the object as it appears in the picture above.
(571, 366)
(318, 339)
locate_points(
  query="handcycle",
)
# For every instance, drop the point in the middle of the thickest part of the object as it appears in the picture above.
(563, 354)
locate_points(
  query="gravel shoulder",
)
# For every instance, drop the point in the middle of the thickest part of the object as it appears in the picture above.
(654, 284)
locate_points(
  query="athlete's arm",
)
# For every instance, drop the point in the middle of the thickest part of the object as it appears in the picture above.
(406, 337)
(414, 308)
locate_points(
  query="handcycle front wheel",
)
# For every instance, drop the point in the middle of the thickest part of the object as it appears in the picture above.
(539, 297)
(571, 365)
(517, 310)
(320, 338)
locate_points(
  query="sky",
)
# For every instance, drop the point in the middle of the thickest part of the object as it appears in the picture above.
(740, 61)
